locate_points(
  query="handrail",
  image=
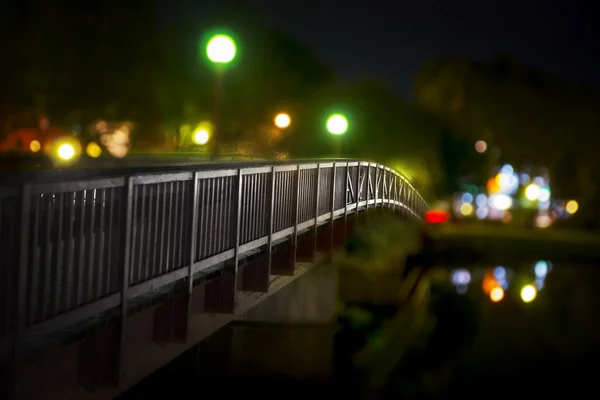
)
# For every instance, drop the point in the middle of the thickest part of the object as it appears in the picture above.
(74, 248)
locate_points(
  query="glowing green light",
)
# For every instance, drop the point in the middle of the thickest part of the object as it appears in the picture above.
(337, 124)
(221, 49)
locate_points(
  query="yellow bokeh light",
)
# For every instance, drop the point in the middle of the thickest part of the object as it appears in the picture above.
(35, 146)
(282, 120)
(532, 192)
(497, 294)
(66, 151)
(466, 209)
(572, 206)
(93, 150)
(201, 136)
(528, 293)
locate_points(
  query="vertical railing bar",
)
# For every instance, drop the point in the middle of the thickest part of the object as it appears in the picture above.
(376, 185)
(176, 225)
(333, 178)
(21, 297)
(155, 263)
(182, 217)
(163, 228)
(212, 216)
(346, 184)
(228, 206)
(149, 233)
(109, 263)
(81, 267)
(170, 227)
(358, 189)
(238, 214)
(33, 295)
(245, 210)
(271, 219)
(296, 212)
(47, 280)
(101, 242)
(201, 218)
(91, 244)
(194, 233)
(317, 194)
(368, 186)
(125, 263)
(58, 268)
(137, 269)
(220, 232)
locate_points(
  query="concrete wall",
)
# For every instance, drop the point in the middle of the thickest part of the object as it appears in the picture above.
(290, 334)
(311, 299)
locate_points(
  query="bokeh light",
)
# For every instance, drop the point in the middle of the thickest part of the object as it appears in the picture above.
(221, 49)
(201, 136)
(337, 124)
(93, 150)
(496, 294)
(35, 146)
(571, 207)
(480, 146)
(282, 120)
(66, 151)
(528, 293)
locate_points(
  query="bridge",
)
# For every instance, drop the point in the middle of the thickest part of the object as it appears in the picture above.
(96, 264)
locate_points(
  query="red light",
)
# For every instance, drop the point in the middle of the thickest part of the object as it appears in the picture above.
(437, 217)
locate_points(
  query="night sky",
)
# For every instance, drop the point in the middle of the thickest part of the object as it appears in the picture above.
(390, 40)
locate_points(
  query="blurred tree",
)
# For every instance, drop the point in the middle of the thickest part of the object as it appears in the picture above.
(531, 116)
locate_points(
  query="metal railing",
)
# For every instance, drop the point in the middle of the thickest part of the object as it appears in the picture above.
(71, 250)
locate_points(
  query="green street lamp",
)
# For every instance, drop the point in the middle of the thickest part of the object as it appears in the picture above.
(337, 125)
(220, 50)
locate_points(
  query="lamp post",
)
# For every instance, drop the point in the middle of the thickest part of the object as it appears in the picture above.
(220, 50)
(337, 125)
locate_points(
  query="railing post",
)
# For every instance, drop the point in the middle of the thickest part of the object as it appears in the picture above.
(368, 189)
(317, 193)
(194, 233)
(126, 240)
(358, 188)
(376, 186)
(331, 225)
(347, 174)
(21, 295)
(238, 220)
(271, 212)
(296, 215)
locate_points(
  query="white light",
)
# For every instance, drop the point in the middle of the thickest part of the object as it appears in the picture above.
(461, 277)
(500, 201)
(541, 269)
(507, 169)
(66, 151)
(481, 200)
(544, 194)
(482, 212)
(201, 136)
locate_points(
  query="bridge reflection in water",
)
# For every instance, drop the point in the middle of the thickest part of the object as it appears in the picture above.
(479, 343)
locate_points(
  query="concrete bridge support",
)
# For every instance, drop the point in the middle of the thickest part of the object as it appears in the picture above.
(288, 335)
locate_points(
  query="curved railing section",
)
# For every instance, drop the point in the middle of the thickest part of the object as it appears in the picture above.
(73, 249)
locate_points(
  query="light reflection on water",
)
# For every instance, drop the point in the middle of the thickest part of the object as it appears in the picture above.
(557, 330)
